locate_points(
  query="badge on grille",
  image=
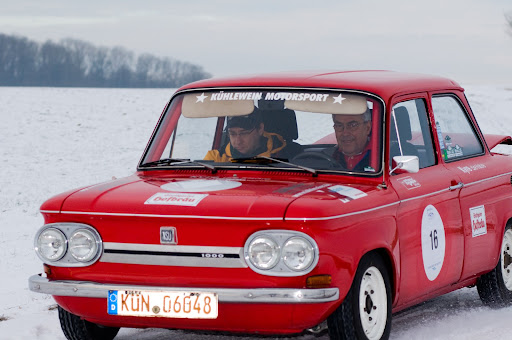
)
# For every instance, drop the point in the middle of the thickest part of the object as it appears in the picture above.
(168, 235)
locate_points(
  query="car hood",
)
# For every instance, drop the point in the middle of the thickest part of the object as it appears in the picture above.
(217, 197)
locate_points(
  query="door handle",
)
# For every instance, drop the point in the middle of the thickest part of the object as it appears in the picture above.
(456, 186)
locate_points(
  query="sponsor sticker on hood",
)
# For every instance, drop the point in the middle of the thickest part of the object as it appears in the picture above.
(349, 192)
(170, 198)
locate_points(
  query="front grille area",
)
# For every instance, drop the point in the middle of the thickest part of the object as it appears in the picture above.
(173, 255)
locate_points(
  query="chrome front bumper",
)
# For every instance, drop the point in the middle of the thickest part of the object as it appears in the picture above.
(39, 284)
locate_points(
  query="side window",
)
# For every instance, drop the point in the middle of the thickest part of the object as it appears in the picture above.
(457, 138)
(411, 135)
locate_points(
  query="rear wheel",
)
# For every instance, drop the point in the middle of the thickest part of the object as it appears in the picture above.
(495, 287)
(75, 328)
(366, 311)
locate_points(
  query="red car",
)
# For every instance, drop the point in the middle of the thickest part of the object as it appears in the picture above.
(286, 202)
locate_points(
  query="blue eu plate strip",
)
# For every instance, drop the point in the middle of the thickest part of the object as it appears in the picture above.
(112, 302)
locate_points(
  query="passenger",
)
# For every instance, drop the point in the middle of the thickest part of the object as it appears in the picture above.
(247, 138)
(352, 135)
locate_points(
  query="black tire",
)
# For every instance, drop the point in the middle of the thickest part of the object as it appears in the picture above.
(374, 321)
(75, 328)
(495, 287)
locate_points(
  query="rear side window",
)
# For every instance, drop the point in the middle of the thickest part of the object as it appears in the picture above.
(457, 137)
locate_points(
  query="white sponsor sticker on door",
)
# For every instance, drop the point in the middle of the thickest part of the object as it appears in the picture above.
(172, 198)
(478, 223)
(409, 182)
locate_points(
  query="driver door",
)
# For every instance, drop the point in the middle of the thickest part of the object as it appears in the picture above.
(428, 217)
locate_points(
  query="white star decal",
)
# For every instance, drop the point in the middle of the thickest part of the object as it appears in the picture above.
(201, 98)
(339, 99)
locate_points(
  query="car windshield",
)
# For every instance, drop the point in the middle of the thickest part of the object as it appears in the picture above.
(330, 131)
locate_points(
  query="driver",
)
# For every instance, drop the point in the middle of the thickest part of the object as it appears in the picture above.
(247, 138)
(352, 135)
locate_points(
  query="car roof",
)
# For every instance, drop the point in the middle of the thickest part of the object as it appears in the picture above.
(380, 82)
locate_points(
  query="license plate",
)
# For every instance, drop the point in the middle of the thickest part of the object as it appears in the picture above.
(189, 305)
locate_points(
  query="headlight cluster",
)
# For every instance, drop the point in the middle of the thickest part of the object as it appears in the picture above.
(68, 244)
(281, 253)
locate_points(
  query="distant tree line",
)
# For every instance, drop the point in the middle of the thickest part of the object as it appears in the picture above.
(77, 63)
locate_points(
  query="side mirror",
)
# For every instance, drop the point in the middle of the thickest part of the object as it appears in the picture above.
(409, 164)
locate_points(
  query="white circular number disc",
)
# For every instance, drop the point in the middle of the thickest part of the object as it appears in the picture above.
(433, 242)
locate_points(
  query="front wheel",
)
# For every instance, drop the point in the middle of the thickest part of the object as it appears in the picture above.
(75, 328)
(366, 311)
(495, 287)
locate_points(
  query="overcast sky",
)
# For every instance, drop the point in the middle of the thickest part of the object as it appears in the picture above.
(465, 40)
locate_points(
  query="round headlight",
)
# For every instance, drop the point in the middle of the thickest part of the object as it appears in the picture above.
(82, 245)
(264, 252)
(298, 253)
(51, 244)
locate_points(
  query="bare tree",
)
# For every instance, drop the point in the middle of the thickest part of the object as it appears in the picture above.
(508, 17)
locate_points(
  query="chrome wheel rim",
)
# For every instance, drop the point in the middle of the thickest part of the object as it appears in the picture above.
(373, 303)
(506, 259)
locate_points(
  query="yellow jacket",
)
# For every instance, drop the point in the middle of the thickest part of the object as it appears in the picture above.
(275, 143)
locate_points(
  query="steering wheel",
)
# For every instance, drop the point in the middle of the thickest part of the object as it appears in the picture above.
(317, 155)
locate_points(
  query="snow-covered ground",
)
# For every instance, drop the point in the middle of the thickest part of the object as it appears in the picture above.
(56, 139)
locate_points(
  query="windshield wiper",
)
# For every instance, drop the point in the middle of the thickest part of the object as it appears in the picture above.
(178, 161)
(272, 160)
(165, 161)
